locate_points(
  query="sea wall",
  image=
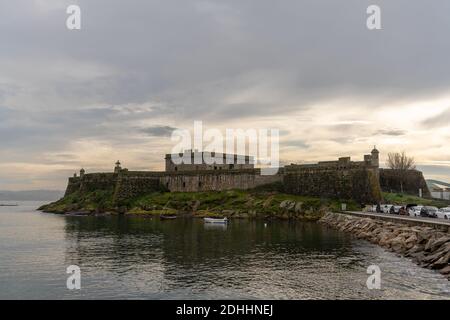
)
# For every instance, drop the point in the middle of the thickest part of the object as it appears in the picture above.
(411, 181)
(426, 246)
(360, 184)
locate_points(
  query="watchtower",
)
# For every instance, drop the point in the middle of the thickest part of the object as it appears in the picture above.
(375, 157)
(117, 168)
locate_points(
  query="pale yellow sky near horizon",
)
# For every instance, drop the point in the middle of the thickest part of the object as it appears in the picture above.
(308, 136)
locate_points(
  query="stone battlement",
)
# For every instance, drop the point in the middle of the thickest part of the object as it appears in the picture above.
(371, 161)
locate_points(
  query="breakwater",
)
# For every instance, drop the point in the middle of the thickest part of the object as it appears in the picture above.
(426, 246)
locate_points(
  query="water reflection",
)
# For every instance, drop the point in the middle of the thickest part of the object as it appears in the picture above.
(186, 258)
(215, 226)
(132, 257)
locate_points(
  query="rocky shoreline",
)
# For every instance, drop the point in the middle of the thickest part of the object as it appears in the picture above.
(426, 246)
(231, 204)
(285, 210)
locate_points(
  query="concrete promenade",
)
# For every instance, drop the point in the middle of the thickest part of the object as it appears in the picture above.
(441, 224)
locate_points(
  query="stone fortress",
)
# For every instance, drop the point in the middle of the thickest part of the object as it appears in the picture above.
(362, 181)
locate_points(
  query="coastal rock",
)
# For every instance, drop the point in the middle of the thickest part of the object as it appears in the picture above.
(424, 235)
(411, 241)
(267, 202)
(417, 248)
(445, 270)
(434, 257)
(441, 262)
(196, 205)
(228, 213)
(418, 257)
(298, 207)
(397, 244)
(284, 204)
(291, 205)
(437, 243)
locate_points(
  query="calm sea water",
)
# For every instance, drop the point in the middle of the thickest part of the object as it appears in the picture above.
(143, 258)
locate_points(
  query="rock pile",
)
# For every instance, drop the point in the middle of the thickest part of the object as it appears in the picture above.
(428, 247)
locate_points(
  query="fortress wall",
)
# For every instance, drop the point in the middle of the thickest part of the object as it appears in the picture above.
(359, 184)
(72, 186)
(352, 182)
(130, 184)
(392, 180)
(216, 181)
(97, 181)
(91, 182)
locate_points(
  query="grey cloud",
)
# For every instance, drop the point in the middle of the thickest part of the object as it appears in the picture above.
(196, 54)
(295, 143)
(391, 132)
(441, 120)
(158, 131)
(343, 140)
(345, 127)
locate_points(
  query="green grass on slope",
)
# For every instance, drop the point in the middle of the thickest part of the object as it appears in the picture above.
(398, 198)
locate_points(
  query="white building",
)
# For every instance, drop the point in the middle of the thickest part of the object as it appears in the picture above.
(440, 193)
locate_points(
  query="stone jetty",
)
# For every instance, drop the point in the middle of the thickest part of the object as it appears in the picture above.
(426, 246)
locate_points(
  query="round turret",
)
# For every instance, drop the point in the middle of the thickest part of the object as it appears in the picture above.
(118, 168)
(375, 157)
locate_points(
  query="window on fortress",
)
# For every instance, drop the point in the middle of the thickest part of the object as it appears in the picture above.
(176, 169)
(231, 166)
(184, 184)
(215, 168)
(199, 183)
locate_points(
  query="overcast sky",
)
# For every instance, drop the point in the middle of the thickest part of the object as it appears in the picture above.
(138, 69)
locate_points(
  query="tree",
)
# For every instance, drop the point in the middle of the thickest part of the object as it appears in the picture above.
(401, 163)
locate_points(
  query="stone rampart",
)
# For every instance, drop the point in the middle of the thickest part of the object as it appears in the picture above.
(127, 184)
(409, 182)
(194, 181)
(358, 183)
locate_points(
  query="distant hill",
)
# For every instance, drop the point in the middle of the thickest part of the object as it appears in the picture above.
(30, 195)
(437, 184)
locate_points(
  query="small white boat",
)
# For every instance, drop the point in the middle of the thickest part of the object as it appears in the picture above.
(215, 220)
